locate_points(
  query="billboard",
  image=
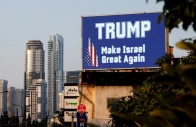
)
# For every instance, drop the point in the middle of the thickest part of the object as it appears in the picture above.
(68, 116)
(71, 91)
(122, 41)
(70, 103)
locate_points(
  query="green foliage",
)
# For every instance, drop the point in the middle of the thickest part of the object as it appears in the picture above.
(14, 121)
(191, 59)
(5, 120)
(166, 84)
(34, 123)
(167, 58)
(60, 114)
(143, 102)
(57, 125)
(145, 99)
(177, 11)
(180, 109)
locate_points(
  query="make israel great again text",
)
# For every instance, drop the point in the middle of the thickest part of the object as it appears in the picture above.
(123, 30)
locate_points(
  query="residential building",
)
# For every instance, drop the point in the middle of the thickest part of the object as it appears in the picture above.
(55, 72)
(72, 76)
(34, 66)
(37, 100)
(10, 99)
(3, 95)
(19, 101)
(34, 62)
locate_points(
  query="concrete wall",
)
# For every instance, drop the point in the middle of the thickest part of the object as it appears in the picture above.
(95, 99)
(88, 99)
(105, 92)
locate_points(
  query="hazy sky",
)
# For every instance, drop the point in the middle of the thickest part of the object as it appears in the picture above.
(23, 20)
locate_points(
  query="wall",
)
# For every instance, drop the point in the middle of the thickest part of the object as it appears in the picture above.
(105, 92)
(95, 99)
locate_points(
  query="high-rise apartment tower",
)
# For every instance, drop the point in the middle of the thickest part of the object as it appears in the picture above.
(34, 69)
(34, 61)
(55, 71)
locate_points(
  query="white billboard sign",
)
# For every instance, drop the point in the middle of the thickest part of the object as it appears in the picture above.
(70, 103)
(71, 91)
(68, 116)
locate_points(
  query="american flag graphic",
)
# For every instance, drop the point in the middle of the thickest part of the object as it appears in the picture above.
(91, 57)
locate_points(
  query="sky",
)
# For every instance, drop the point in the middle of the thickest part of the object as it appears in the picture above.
(23, 20)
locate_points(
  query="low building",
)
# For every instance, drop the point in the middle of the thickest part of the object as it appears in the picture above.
(97, 89)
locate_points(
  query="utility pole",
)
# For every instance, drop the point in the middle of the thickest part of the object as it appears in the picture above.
(24, 107)
(72, 119)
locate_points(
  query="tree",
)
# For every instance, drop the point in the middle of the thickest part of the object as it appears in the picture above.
(5, 118)
(17, 118)
(144, 100)
(167, 58)
(60, 115)
(190, 59)
(34, 124)
(167, 84)
(179, 11)
(44, 122)
(28, 120)
(176, 111)
(9, 121)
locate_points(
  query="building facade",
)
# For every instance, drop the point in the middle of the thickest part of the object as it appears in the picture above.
(55, 72)
(3, 95)
(37, 100)
(10, 99)
(19, 101)
(34, 67)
